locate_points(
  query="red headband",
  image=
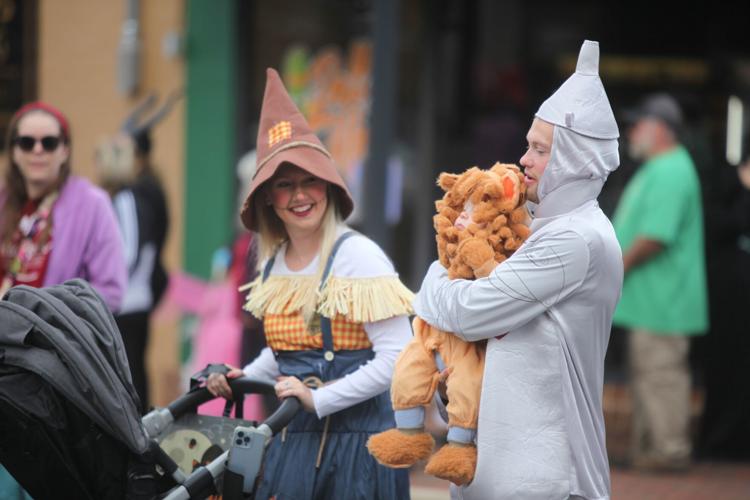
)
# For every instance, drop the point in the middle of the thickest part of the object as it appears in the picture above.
(47, 108)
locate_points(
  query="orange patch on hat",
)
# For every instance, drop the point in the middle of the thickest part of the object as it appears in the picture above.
(279, 132)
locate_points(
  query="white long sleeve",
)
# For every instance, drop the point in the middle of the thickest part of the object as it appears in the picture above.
(388, 338)
(264, 367)
(541, 273)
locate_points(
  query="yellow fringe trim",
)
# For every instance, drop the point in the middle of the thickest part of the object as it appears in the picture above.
(361, 300)
(364, 300)
(279, 294)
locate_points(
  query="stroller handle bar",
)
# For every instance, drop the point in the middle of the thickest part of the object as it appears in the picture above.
(239, 386)
(158, 419)
(283, 414)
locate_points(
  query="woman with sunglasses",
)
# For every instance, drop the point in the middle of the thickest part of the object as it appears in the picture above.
(335, 316)
(54, 226)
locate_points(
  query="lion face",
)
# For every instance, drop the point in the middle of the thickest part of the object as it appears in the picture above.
(486, 206)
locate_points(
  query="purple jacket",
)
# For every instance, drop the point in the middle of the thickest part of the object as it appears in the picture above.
(86, 241)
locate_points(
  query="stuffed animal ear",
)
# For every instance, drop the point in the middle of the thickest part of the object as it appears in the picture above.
(498, 168)
(502, 168)
(510, 186)
(446, 181)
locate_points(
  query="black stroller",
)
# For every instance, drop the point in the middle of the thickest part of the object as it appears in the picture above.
(69, 424)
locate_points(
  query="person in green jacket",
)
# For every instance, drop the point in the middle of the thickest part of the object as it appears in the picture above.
(659, 224)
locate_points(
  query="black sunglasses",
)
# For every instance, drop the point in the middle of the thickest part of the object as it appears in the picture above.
(27, 142)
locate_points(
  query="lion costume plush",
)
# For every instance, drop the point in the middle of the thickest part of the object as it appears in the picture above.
(492, 202)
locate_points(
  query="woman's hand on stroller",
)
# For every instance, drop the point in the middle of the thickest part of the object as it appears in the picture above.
(292, 386)
(217, 383)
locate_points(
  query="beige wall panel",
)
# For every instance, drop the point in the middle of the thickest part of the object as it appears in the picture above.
(78, 42)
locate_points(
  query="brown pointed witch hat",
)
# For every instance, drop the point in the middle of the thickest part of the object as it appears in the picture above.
(284, 136)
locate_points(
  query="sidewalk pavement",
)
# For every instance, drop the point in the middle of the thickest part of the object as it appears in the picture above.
(704, 481)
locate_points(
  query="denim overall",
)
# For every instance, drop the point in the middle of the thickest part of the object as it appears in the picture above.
(327, 459)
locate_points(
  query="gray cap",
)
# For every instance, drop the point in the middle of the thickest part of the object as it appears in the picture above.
(661, 106)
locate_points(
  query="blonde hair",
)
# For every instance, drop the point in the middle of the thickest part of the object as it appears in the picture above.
(115, 162)
(272, 234)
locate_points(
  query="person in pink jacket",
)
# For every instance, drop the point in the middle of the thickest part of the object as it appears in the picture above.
(54, 226)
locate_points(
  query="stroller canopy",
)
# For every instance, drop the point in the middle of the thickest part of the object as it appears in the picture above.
(65, 334)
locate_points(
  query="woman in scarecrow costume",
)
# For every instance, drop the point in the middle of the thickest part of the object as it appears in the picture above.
(334, 312)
